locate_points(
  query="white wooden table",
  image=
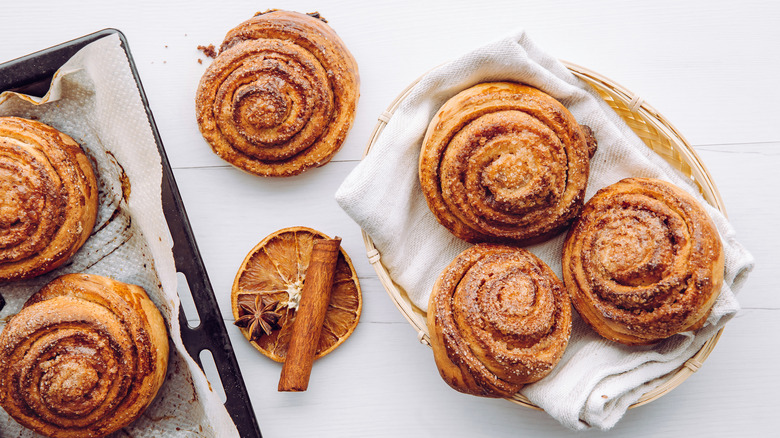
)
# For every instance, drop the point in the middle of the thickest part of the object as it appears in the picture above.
(711, 67)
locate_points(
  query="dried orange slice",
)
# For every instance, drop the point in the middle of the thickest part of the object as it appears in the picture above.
(271, 278)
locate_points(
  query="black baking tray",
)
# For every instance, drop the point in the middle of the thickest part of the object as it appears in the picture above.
(32, 74)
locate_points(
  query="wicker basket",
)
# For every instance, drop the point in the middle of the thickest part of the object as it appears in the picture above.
(657, 133)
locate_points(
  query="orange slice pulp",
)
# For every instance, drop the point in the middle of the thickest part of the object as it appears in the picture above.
(275, 271)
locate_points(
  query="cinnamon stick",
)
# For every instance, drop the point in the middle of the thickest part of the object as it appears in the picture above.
(310, 316)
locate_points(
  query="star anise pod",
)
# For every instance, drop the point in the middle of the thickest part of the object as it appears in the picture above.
(258, 317)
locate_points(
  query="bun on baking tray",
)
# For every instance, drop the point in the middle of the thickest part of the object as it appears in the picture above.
(84, 357)
(49, 198)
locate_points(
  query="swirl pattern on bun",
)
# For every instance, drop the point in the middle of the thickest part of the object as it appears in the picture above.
(83, 358)
(504, 162)
(280, 97)
(643, 262)
(49, 198)
(499, 318)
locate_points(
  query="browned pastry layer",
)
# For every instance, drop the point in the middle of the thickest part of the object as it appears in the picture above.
(498, 318)
(505, 162)
(83, 358)
(643, 262)
(48, 198)
(280, 97)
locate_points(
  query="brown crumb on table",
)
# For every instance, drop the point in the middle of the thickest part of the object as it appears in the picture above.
(200, 61)
(209, 50)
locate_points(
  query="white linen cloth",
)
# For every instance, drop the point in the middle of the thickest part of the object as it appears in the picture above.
(596, 380)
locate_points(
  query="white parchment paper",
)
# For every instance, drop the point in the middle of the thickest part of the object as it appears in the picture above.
(94, 99)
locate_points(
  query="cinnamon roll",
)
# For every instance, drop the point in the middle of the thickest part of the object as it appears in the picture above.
(505, 162)
(499, 318)
(280, 97)
(48, 198)
(83, 358)
(643, 262)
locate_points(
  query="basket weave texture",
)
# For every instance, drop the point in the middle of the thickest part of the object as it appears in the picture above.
(656, 132)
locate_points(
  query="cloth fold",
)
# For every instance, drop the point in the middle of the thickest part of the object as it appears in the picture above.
(596, 380)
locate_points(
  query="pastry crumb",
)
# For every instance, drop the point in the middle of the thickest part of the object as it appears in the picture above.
(209, 50)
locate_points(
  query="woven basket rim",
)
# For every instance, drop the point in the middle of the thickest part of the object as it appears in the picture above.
(698, 173)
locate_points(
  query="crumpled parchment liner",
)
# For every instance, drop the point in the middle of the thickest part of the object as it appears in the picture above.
(94, 99)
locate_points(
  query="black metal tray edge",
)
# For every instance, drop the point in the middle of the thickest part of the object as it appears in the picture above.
(32, 74)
